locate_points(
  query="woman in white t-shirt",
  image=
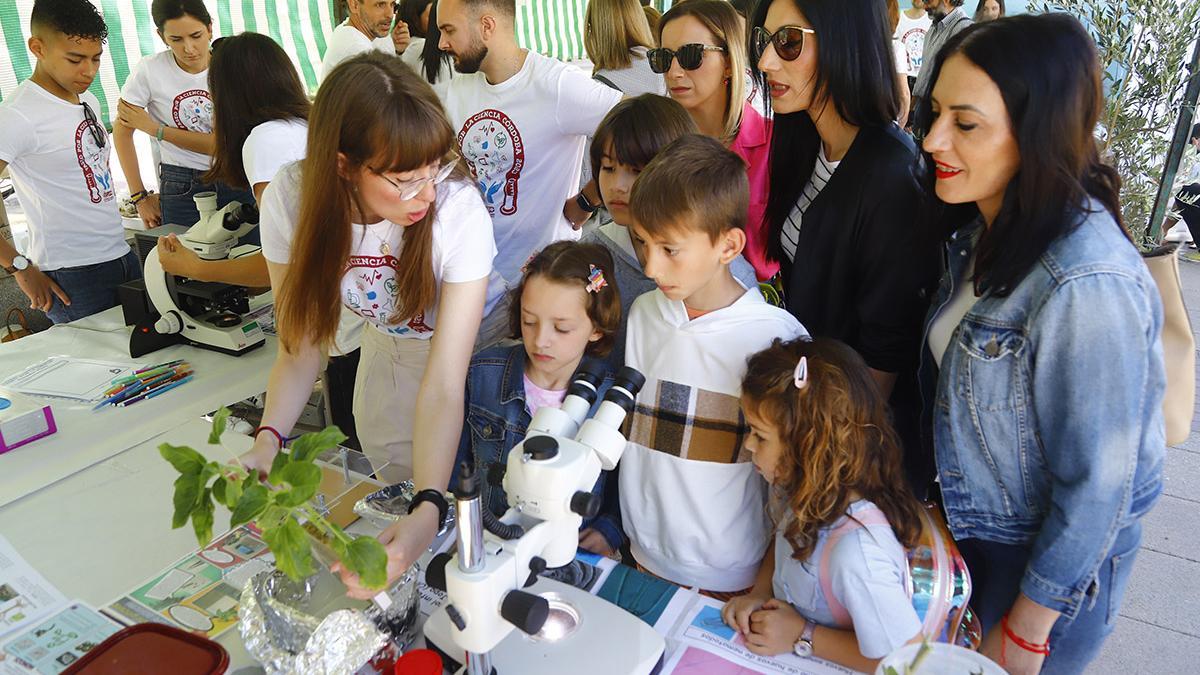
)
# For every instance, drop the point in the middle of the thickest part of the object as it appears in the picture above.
(379, 217)
(167, 98)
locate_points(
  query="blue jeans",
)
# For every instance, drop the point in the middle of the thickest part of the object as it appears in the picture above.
(92, 288)
(996, 572)
(176, 187)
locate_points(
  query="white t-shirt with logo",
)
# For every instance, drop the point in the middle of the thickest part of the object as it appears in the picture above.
(173, 97)
(523, 140)
(911, 33)
(347, 41)
(463, 249)
(62, 178)
(270, 146)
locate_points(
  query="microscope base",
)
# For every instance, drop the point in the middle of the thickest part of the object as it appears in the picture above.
(607, 641)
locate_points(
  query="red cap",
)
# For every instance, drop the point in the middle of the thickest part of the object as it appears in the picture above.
(419, 662)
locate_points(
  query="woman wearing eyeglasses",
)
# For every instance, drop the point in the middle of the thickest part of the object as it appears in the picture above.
(843, 198)
(702, 56)
(379, 217)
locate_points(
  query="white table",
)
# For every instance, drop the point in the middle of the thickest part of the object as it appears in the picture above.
(99, 533)
(85, 437)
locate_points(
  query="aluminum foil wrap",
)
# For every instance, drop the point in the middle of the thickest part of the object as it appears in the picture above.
(388, 505)
(281, 636)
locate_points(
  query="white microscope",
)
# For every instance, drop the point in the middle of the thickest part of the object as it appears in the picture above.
(202, 313)
(548, 482)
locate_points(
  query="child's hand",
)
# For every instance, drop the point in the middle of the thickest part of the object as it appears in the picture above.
(593, 541)
(774, 629)
(736, 613)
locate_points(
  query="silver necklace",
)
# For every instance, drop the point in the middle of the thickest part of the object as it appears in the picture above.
(384, 247)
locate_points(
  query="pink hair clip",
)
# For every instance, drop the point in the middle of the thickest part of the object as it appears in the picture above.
(525, 267)
(596, 279)
(800, 375)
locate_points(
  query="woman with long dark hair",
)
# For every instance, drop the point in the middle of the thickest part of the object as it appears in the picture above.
(380, 218)
(1047, 420)
(843, 201)
(423, 54)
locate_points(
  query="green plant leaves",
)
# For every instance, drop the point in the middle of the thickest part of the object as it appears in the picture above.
(202, 518)
(187, 494)
(293, 553)
(185, 460)
(304, 479)
(218, 426)
(277, 464)
(249, 505)
(366, 557)
(309, 446)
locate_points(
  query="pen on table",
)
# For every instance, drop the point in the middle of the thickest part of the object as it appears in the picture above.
(162, 382)
(133, 390)
(161, 365)
(151, 394)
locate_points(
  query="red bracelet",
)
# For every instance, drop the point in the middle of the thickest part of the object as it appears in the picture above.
(1043, 649)
(274, 432)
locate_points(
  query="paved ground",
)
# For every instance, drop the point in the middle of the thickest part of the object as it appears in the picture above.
(1159, 627)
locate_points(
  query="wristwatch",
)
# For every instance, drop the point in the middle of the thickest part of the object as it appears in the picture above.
(19, 262)
(804, 645)
(581, 200)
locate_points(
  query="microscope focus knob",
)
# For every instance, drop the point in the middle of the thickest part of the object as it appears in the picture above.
(541, 447)
(537, 565)
(586, 504)
(169, 324)
(526, 611)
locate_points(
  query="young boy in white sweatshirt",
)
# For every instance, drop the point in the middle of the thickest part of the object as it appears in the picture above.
(691, 502)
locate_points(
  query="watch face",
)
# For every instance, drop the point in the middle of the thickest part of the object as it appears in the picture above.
(20, 262)
(802, 648)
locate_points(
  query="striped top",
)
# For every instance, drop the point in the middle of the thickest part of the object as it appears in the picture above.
(822, 172)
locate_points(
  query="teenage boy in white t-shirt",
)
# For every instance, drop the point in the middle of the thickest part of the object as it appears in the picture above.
(522, 120)
(369, 26)
(57, 150)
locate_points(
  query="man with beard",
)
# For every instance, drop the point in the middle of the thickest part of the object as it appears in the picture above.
(368, 27)
(522, 121)
(948, 20)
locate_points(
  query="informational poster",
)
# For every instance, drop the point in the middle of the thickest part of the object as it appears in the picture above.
(202, 591)
(25, 595)
(51, 645)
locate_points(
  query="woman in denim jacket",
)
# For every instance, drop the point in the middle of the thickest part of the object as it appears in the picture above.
(1047, 421)
(564, 311)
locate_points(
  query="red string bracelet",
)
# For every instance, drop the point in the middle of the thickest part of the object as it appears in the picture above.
(274, 432)
(1043, 648)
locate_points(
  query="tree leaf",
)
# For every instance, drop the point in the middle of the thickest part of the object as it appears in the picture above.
(249, 505)
(281, 460)
(202, 518)
(233, 492)
(304, 480)
(187, 494)
(310, 445)
(293, 553)
(367, 558)
(184, 459)
(218, 426)
(218, 490)
(272, 516)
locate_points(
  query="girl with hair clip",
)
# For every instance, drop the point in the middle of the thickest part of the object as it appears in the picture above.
(701, 54)
(167, 97)
(422, 54)
(834, 583)
(381, 218)
(843, 200)
(1044, 368)
(565, 311)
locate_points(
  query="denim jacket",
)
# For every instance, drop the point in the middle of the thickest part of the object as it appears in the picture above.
(496, 419)
(1047, 422)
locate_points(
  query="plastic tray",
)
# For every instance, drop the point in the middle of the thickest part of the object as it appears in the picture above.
(152, 649)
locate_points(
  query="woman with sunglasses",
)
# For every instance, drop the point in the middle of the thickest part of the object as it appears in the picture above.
(379, 217)
(166, 97)
(843, 198)
(702, 56)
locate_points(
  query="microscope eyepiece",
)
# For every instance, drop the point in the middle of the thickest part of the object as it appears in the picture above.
(586, 381)
(625, 388)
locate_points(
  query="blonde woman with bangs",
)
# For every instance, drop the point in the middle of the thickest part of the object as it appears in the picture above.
(617, 36)
(380, 218)
(701, 54)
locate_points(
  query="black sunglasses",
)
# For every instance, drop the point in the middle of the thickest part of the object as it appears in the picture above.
(690, 56)
(788, 41)
(98, 132)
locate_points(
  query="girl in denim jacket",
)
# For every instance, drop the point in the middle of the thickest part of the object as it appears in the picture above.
(565, 310)
(1047, 420)
(834, 582)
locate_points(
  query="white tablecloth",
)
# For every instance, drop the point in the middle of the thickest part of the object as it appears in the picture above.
(85, 437)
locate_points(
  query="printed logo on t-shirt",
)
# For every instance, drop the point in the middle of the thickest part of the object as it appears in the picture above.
(93, 161)
(914, 45)
(192, 110)
(374, 293)
(491, 144)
